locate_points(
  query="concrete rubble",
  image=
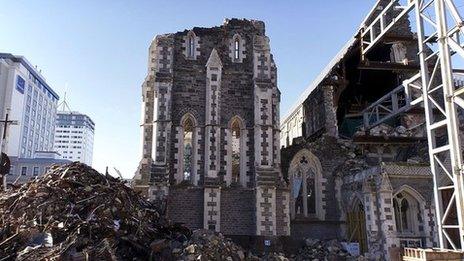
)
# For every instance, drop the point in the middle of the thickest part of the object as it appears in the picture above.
(387, 131)
(315, 249)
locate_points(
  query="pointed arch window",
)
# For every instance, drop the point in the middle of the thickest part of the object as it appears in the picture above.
(235, 129)
(187, 147)
(237, 48)
(236, 152)
(305, 183)
(191, 46)
(304, 186)
(404, 212)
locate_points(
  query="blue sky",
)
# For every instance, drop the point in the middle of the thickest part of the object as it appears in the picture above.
(96, 51)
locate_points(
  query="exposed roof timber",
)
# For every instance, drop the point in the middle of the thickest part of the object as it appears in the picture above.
(391, 38)
(347, 48)
(386, 66)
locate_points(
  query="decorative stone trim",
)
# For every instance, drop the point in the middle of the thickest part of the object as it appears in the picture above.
(431, 226)
(162, 109)
(369, 206)
(212, 129)
(387, 215)
(161, 54)
(265, 211)
(261, 58)
(228, 157)
(196, 157)
(244, 158)
(286, 209)
(212, 209)
(178, 157)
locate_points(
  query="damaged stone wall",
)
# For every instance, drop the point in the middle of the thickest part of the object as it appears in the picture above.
(324, 148)
(199, 88)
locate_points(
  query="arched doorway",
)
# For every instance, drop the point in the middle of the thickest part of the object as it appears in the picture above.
(356, 225)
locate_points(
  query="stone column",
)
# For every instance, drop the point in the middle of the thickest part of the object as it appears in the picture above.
(212, 191)
(152, 173)
(244, 158)
(430, 225)
(370, 210)
(212, 208)
(163, 59)
(228, 156)
(387, 215)
(212, 126)
(266, 174)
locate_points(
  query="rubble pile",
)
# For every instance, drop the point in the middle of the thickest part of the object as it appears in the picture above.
(73, 212)
(315, 249)
(386, 130)
(207, 245)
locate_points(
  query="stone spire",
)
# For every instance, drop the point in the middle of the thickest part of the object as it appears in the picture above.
(214, 60)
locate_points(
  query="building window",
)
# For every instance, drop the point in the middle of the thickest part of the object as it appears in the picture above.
(191, 46)
(236, 142)
(306, 185)
(24, 171)
(237, 48)
(406, 212)
(188, 127)
(35, 171)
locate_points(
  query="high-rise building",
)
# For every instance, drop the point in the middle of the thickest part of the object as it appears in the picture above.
(27, 98)
(74, 136)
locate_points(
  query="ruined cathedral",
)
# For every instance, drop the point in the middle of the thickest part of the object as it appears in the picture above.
(211, 143)
(349, 161)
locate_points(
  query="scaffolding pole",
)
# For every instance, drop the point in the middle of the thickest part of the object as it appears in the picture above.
(441, 20)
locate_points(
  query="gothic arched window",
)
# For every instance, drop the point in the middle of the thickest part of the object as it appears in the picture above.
(235, 129)
(305, 182)
(403, 213)
(236, 154)
(191, 46)
(187, 147)
(237, 48)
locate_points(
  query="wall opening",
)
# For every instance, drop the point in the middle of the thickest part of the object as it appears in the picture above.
(235, 129)
(188, 127)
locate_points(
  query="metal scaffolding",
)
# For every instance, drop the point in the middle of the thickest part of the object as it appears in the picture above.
(440, 28)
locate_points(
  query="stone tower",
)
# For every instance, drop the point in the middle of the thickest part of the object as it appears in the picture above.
(211, 131)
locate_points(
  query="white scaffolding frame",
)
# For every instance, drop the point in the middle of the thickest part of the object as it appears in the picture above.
(441, 100)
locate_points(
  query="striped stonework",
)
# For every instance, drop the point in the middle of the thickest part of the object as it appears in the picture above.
(266, 211)
(212, 209)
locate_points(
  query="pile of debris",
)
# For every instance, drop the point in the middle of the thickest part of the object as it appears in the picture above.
(387, 131)
(208, 245)
(315, 249)
(73, 212)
